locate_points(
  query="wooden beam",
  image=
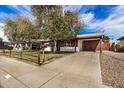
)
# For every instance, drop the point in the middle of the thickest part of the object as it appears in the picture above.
(75, 45)
(101, 45)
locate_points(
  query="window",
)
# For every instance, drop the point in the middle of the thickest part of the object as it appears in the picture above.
(68, 43)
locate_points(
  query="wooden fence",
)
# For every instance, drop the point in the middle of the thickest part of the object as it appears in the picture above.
(37, 57)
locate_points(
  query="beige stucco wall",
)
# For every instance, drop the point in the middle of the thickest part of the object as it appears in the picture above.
(122, 42)
(80, 45)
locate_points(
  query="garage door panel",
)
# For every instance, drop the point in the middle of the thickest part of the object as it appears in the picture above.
(90, 45)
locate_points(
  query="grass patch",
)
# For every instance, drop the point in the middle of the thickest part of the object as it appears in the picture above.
(32, 56)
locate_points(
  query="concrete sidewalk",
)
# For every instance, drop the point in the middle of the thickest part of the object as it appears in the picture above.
(76, 70)
(15, 73)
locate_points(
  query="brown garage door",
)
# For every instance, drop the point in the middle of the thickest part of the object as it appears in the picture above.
(90, 45)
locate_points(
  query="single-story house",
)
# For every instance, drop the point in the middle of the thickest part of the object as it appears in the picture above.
(84, 42)
(4, 45)
(121, 41)
(120, 44)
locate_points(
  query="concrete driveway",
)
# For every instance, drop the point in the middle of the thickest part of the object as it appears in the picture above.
(77, 70)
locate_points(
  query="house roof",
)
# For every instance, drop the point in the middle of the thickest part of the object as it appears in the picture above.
(121, 38)
(83, 36)
(90, 35)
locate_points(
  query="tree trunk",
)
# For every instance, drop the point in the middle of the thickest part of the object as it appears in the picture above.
(41, 57)
(55, 43)
(29, 45)
(15, 47)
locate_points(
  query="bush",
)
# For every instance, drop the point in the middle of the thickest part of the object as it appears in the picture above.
(113, 46)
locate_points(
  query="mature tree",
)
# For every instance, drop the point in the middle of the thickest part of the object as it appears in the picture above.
(10, 30)
(56, 25)
(60, 26)
(20, 30)
(41, 11)
(56, 28)
(74, 22)
(42, 14)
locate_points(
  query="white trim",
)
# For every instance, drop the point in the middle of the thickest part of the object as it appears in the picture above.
(69, 49)
(89, 35)
(91, 39)
(48, 49)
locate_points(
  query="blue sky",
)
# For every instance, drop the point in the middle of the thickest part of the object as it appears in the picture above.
(97, 18)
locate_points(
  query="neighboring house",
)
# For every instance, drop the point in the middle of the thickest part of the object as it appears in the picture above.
(1, 43)
(120, 44)
(121, 41)
(4, 45)
(85, 42)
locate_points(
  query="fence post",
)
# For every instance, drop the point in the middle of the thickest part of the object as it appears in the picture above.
(43, 55)
(10, 53)
(39, 58)
(3, 51)
(21, 54)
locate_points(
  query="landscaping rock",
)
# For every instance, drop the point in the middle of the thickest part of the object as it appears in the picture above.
(112, 69)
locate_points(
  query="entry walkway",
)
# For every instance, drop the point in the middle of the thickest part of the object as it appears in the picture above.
(77, 70)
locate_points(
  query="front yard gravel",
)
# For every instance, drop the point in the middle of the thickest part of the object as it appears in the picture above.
(112, 69)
